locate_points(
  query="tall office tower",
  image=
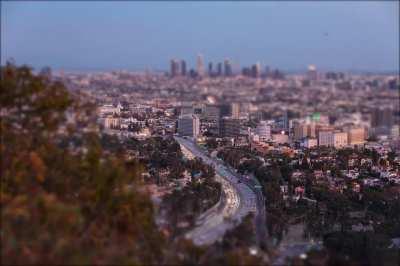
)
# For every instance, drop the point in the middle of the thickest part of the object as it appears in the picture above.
(225, 109)
(228, 67)
(189, 125)
(210, 69)
(246, 72)
(267, 72)
(393, 84)
(211, 112)
(253, 71)
(211, 115)
(331, 75)
(235, 110)
(382, 117)
(219, 69)
(256, 70)
(283, 121)
(300, 131)
(193, 73)
(200, 65)
(263, 130)
(174, 68)
(312, 73)
(230, 127)
(183, 68)
(186, 110)
(197, 109)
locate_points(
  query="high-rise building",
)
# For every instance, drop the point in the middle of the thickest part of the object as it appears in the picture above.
(183, 68)
(174, 68)
(302, 130)
(382, 117)
(267, 72)
(219, 69)
(228, 68)
(211, 112)
(187, 110)
(312, 73)
(256, 70)
(193, 73)
(283, 121)
(189, 125)
(356, 136)
(235, 110)
(277, 74)
(334, 75)
(263, 130)
(225, 109)
(200, 65)
(210, 69)
(246, 72)
(230, 127)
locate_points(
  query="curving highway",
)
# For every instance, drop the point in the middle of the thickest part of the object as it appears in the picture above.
(240, 196)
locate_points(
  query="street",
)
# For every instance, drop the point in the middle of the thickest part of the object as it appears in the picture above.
(238, 200)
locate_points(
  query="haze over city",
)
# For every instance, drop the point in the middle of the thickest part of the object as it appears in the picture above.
(137, 35)
(200, 133)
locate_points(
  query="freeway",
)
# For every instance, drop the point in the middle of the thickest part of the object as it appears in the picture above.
(240, 196)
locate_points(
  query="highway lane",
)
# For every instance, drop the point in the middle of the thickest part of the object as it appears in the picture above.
(240, 196)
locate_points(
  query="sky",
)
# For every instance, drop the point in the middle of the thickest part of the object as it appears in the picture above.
(79, 35)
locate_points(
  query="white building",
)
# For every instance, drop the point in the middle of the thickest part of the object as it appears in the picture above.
(112, 122)
(263, 130)
(325, 138)
(189, 125)
(110, 109)
(340, 139)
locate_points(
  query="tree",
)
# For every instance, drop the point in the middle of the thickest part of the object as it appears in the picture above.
(60, 206)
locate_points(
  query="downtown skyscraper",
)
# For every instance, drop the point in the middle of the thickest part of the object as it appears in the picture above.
(200, 65)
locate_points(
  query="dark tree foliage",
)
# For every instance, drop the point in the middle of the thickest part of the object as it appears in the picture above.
(60, 206)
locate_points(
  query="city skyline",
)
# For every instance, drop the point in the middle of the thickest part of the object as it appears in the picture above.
(365, 38)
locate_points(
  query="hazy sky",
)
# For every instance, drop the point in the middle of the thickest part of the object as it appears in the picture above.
(137, 35)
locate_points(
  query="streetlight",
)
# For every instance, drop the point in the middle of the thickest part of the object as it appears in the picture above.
(253, 251)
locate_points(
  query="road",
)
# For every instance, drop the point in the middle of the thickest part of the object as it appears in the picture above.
(240, 196)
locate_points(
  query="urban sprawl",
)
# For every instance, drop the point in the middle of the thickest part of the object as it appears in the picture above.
(317, 152)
